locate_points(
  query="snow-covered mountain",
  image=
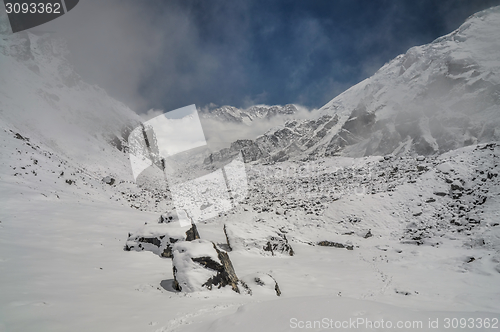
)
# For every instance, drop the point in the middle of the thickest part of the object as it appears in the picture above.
(43, 98)
(247, 116)
(399, 238)
(435, 98)
(59, 133)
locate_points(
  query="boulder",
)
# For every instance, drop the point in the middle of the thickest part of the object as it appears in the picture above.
(261, 284)
(108, 180)
(257, 238)
(192, 233)
(160, 238)
(199, 265)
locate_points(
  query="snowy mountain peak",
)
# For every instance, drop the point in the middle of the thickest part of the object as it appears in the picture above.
(435, 98)
(247, 116)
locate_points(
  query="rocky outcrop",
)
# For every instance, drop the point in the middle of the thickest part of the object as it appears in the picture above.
(192, 233)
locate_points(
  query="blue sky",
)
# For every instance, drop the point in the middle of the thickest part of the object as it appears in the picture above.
(169, 54)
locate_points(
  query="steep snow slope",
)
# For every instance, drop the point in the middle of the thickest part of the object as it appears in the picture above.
(433, 99)
(43, 98)
(56, 129)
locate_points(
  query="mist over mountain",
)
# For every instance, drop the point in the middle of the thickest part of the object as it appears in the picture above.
(45, 99)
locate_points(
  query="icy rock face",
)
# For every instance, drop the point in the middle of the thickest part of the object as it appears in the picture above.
(257, 238)
(160, 238)
(279, 145)
(433, 99)
(261, 284)
(199, 265)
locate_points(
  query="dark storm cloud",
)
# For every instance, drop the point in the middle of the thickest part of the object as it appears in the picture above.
(168, 54)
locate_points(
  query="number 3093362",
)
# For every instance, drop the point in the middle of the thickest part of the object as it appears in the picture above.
(33, 8)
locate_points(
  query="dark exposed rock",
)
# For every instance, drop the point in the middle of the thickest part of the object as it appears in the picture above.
(422, 168)
(153, 240)
(192, 233)
(227, 239)
(175, 283)
(335, 244)
(330, 244)
(19, 136)
(225, 271)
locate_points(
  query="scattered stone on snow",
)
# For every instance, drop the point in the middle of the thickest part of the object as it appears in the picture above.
(335, 244)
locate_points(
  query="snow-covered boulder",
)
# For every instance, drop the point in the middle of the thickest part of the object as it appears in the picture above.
(258, 238)
(160, 238)
(261, 284)
(199, 265)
